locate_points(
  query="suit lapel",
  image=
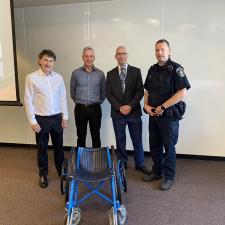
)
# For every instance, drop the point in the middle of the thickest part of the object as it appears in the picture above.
(128, 79)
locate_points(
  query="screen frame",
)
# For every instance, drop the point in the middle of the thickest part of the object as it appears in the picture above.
(17, 102)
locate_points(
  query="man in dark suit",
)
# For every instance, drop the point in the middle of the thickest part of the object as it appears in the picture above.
(124, 91)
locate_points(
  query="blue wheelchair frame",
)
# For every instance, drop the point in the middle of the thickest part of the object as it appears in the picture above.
(78, 175)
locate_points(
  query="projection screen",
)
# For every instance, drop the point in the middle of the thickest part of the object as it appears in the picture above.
(9, 89)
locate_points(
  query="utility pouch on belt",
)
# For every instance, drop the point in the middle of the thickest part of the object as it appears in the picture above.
(176, 111)
(181, 107)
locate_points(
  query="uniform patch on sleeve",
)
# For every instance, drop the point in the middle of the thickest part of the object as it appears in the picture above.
(180, 72)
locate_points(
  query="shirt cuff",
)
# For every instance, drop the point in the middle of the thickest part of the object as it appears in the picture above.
(33, 121)
(65, 116)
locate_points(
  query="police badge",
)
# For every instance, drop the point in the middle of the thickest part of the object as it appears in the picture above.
(180, 72)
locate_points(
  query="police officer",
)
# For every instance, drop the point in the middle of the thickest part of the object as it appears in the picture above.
(166, 85)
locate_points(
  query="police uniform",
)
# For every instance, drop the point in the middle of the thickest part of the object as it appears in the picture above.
(162, 82)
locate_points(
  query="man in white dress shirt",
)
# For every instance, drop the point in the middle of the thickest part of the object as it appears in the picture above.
(46, 108)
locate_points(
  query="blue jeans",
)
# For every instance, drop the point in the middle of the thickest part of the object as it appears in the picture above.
(163, 132)
(135, 130)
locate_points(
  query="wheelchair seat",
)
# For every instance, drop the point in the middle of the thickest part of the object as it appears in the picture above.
(93, 165)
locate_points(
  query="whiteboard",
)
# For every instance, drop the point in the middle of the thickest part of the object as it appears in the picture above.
(195, 30)
(8, 73)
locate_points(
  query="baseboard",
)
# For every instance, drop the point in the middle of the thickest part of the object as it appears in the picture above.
(201, 157)
(129, 152)
(15, 145)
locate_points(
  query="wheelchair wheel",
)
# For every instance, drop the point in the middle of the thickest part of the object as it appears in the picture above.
(116, 174)
(67, 190)
(122, 176)
(64, 176)
(118, 191)
(75, 217)
(112, 217)
(121, 215)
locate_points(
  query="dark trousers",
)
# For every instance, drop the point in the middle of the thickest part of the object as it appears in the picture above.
(163, 132)
(49, 125)
(83, 115)
(135, 130)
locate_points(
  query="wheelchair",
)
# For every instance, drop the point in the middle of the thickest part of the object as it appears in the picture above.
(93, 167)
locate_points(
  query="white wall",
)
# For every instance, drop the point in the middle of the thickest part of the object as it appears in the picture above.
(195, 31)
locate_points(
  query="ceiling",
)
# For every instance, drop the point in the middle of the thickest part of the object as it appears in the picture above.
(32, 3)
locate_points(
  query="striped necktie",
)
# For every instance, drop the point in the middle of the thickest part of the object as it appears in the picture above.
(123, 77)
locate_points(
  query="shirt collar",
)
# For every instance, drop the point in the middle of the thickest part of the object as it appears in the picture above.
(119, 67)
(40, 71)
(168, 62)
(93, 69)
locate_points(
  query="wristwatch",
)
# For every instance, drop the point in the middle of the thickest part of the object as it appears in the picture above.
(162, 107)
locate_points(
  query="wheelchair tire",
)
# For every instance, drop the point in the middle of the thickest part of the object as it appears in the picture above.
(67, 190)
(121, 215)
(65, 219)
(118, 191)
(122, 176)
(64, 176)
(112, 217)
(75, 215)
(117, 182)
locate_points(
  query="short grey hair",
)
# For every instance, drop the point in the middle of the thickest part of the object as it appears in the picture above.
(88, 48)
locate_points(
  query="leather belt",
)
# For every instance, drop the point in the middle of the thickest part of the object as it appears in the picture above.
(87, 105)
(51, 116)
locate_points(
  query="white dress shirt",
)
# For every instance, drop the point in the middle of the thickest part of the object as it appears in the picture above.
(45, 95)
(119, 68)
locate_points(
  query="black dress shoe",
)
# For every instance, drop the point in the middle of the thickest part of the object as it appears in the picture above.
(43, 181)
(166, 184)
(152, 177)
(143, 169)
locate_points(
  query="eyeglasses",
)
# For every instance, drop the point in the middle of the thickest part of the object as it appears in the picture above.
(122, 53)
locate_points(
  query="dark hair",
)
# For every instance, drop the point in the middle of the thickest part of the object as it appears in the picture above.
(47, 52)
(163, 41)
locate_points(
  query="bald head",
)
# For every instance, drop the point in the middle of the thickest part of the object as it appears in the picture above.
(121, 55)
(121, 48)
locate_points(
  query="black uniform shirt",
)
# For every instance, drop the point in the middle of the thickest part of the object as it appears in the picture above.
(164, 81)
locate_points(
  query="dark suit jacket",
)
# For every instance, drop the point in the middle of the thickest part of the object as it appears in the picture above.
(132, 96)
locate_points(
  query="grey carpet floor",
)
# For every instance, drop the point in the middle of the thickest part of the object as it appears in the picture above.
(197, 197)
